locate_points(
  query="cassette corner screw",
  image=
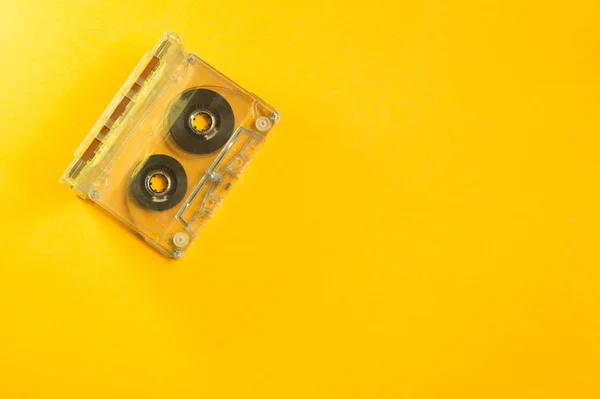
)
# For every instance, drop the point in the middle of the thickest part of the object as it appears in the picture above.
(214, 176)
(178, 253)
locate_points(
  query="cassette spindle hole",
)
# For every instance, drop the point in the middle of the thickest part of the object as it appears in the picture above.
(158, 183)
(202, 122)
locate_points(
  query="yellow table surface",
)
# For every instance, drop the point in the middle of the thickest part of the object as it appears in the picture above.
(423, 223)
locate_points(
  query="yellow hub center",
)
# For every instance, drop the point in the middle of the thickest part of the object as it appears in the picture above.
(202, 122)
(159, 183)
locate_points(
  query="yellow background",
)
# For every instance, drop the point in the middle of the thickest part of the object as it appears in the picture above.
(423, 223)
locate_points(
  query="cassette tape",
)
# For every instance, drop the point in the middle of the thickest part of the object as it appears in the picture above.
(170, 146)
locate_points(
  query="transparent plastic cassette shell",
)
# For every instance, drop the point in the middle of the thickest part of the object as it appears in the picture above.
(137, 125)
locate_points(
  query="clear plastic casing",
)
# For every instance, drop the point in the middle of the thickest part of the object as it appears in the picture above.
(137, 125)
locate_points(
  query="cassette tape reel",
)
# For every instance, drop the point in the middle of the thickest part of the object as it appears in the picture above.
(170, 146)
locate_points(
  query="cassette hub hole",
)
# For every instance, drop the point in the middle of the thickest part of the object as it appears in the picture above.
(202, 122)
(158, 183)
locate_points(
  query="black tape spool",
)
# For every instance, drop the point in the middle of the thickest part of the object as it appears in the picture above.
(196, 101)
(176, 187)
